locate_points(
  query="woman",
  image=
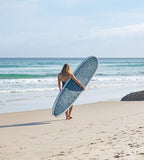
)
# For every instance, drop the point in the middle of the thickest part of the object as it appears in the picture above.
(63, 76)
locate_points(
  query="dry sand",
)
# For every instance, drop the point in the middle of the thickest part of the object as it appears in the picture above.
(99, 131)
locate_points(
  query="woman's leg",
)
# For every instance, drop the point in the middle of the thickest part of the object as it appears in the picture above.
(70, 111)
(67, 115)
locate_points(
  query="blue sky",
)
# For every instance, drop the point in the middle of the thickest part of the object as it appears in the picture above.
(75, 28)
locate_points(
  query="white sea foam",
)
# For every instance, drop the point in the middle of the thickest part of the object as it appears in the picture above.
(118, 78)
(28, 90)
(8, 86)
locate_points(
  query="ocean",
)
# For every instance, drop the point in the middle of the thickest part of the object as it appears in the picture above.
(31, 83)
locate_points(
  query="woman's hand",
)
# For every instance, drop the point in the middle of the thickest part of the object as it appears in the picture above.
(83, 88)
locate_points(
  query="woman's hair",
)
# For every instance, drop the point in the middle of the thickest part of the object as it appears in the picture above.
(66, 69)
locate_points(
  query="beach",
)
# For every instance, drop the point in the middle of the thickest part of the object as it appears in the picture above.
(101, 43)
(98, 131)
(102, 128)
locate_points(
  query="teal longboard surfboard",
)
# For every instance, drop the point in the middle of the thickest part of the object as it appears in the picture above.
(72, 90)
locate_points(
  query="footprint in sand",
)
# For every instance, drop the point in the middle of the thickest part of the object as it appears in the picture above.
(34, 137)
(92, 143)
(80, 146)
(86, 153)
(45, 158)
(62, 153)
(142, 154)
(120, 154)
(2, 146)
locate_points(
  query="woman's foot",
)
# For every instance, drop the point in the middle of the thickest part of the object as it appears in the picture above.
(68, 117)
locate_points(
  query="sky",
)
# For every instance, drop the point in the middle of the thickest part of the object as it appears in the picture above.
(71, 28)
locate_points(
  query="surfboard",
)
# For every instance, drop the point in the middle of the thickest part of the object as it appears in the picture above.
(71, 90)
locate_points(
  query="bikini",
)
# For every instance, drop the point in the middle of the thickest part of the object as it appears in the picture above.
(63, 83)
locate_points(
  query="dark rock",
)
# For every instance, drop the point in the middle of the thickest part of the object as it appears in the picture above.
(135, 96)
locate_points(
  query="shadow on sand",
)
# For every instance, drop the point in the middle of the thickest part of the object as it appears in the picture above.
(30, 124)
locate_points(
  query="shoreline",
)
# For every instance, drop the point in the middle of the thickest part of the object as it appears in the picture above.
(44, 100)
(98, 131)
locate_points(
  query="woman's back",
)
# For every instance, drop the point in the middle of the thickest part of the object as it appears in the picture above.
(64, 76)
(65, 73)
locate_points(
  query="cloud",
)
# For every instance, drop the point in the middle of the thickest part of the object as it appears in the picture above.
(126, 30)
(76, 25)
(129, 30)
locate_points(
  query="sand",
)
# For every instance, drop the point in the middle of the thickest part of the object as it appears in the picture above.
(99, 131)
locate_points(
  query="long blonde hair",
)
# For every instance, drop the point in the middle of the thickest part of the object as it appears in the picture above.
(66, 69)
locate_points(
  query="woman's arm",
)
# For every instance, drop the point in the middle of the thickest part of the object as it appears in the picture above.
(59, 80)
(73, 77)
